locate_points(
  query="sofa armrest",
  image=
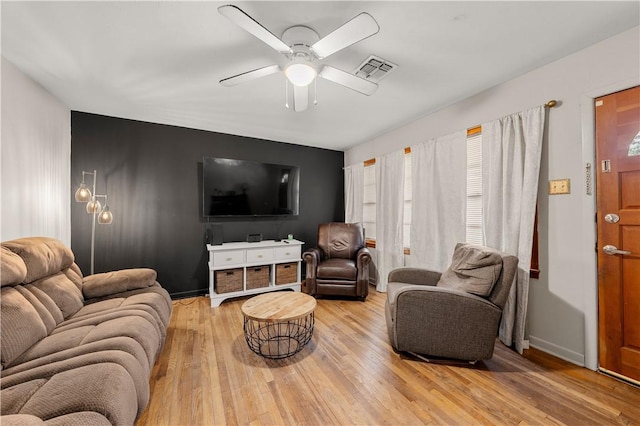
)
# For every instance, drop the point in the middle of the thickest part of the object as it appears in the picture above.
(418, 276)
(311, 257)
(109, 283)
(363, 257)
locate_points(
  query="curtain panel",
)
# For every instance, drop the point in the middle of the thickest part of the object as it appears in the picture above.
(438, 200)
(389, 215)
(353, 193)
(512, 148)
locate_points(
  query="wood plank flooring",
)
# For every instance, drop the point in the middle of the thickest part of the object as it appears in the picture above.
(349, 374)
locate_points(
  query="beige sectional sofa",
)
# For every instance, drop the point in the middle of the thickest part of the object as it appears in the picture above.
(75, 350)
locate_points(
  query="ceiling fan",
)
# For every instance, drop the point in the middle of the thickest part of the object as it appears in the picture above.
(302, 46)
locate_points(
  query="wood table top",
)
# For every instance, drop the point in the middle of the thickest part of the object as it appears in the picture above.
(278, 306)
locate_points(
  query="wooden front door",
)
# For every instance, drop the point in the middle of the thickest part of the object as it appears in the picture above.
(618, 205)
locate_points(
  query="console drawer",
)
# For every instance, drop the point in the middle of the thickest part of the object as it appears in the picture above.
(229, 257)
(289, 252)
(259, 255)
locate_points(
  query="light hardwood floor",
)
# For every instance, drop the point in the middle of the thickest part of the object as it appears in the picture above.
(349, 374)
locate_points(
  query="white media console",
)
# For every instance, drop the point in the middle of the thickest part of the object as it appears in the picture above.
(232, 266)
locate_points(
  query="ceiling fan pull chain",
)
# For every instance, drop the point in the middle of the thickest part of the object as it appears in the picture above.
(286, 93)
(315, 91)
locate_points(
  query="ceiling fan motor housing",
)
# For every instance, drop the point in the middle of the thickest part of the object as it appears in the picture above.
(300, 39)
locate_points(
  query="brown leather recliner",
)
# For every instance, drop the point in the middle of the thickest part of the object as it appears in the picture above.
(339, 266)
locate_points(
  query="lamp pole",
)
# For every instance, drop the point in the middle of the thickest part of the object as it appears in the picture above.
(93, 221)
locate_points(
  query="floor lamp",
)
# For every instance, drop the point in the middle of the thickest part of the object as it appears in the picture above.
(94, 208)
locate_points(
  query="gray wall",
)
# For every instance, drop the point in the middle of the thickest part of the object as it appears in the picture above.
(152, 175)
(563, 302)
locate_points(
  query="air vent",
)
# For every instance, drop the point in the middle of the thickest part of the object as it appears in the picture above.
(374, 69)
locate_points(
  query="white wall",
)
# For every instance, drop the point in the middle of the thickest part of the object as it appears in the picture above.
(562, 304)
(35, 160)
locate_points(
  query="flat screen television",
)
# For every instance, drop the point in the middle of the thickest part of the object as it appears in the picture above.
(247, 188)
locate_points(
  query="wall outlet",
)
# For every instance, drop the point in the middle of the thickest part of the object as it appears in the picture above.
(559, 186)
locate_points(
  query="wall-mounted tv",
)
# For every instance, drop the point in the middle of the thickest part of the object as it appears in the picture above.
(247, 188)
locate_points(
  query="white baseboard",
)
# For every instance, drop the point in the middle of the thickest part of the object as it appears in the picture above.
(557, 351)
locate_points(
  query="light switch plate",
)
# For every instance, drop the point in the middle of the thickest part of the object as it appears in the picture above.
(559, 186)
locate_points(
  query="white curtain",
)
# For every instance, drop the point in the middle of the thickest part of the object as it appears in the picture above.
(438, 200)
(511, 163)
(353, 192)
(389, 215)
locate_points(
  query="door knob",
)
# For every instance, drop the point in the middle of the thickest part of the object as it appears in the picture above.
(611, 250)
(612, 218)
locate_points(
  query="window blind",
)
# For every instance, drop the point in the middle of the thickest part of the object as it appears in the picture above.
(474, 233)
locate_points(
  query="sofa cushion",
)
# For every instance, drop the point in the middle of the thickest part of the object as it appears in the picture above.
(100, 285)
(22, 420)
(43, 256)
(474, 269)
(120, 343)
(135, 323)
(20, 325)
(12, 268)
(153, 303)
(74, 274)
(45, 315)
(105, 388)
(66, 295)
(14, 397)
(79, 418)
(135, 370)
(47, 302)
(82, 418)
(337, 269)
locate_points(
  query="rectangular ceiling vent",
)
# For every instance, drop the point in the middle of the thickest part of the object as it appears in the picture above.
(374, 69)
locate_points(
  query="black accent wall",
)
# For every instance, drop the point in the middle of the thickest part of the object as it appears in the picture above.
(152, 174)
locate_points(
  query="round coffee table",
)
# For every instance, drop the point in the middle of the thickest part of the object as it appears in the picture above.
(278, 324)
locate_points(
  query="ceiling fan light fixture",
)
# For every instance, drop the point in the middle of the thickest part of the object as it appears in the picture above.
(300, 73)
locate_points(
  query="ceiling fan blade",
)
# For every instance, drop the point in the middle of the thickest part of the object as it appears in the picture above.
(246, 22)
(359, 28)
(300, 98)
(345, 79)
(250, 75)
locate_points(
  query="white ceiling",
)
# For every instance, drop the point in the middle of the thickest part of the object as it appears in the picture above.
(161, 61)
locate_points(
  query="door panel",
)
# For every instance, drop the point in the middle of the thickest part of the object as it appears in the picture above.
(618, 193)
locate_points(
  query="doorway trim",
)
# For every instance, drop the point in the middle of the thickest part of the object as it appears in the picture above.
(590, 272)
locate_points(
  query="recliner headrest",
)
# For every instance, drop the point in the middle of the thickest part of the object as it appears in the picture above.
(42, 256)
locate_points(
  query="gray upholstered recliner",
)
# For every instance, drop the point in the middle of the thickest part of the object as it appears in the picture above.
(455, 314)
(339, 266)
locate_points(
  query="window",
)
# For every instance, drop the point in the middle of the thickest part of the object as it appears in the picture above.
(474, 187)
(369, 201)
(406, 224)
